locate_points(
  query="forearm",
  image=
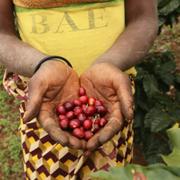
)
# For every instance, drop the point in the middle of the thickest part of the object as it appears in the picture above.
(18, 56)
(132, 45)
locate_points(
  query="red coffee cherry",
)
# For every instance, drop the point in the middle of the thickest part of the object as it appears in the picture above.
(96, 128)
(84, 99)
(70, 115)
(82, 91)
(91, 101)
(81, 117)
(88, 135)
(101, 110)
(68, 106)
(64, 123)
(87, 124)
(61, 110)
(61, 117)
(90, 111)
(102, 122)
(84, 107)
(79, 133)
(77, 102)
(75, 123)
(77, 110)
(97, 121)
(98, 103)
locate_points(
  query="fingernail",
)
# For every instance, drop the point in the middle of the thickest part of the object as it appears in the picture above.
(129, 120)
(24, 117)
(87, 153)
(133, 108)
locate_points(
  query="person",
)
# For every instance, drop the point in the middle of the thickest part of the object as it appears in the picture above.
(103, 40)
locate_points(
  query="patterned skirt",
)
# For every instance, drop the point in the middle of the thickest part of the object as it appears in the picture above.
(45, 159)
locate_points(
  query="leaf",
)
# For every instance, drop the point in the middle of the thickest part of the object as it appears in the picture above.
(168, 12)
(174, 158)
(152, 172)
(139, 117)
(155, 109)
(113, 174)
(166, 72)
(161, 21)
(178, 96)
(178, 78)
(140, 97)
(174, 111)
(140, 73)
(154, 146)
(150, 85)
(162, 3)
(170, 7)
(157, 120)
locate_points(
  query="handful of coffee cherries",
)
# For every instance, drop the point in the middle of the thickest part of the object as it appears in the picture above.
(82, 117)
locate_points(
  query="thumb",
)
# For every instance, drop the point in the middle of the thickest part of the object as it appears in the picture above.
(125, 96)
(36, 91)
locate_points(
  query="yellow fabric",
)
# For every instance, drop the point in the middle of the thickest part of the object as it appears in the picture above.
(80, 36)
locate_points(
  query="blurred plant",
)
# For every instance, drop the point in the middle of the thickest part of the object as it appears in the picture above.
(157, 101)
(170, 171)
(169, 10)
(10, 147)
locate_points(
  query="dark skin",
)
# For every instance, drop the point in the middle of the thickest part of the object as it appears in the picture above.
(46, 89)
(106, 82)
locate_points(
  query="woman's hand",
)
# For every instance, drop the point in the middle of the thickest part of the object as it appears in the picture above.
(52, 84)
(109, 84)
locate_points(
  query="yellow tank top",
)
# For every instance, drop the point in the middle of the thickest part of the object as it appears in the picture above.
(79, 33)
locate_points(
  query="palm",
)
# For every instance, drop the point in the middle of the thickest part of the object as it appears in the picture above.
(103, 82)
(55, 89)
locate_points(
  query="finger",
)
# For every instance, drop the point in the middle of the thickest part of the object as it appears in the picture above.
(124, 91)
(104, 135)
(54, 131)
(113, 126)
(64, 138)
(50, 124)
(75, 143)
(87, 153)
(86, 83)
(70, 89)
(93, 143)
(36, 91)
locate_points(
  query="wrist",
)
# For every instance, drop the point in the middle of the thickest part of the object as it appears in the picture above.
(107, 61)
(52, 58)
(117, 59)
(51, 71)
(105, 65)
(109, 58)
(54, 65)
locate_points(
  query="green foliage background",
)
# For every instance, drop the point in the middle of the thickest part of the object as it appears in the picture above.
(169, 10)
(157, 101)
(168, 171)
(10, 148)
